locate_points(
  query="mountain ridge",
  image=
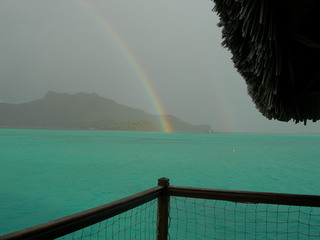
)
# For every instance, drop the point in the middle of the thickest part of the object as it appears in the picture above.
(85, 111)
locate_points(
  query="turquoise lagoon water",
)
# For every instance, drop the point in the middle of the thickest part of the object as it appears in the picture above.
(47, 174)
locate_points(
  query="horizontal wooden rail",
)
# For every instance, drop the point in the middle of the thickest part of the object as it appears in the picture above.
(245, 197)
(72, 223)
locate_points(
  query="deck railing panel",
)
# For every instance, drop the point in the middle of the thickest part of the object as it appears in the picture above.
(190, 213)
(138, 223)
(198, 218)
(66, 225)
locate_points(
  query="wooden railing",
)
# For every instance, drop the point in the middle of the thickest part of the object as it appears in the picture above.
(69, 224)
(162, 192)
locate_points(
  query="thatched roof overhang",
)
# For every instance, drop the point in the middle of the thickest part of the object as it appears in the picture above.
(275, 46)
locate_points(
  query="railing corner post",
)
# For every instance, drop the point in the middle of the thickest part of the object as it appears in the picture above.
(163, 182)
(163, 210)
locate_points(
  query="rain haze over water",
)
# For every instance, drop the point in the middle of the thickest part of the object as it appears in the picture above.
(116, 48)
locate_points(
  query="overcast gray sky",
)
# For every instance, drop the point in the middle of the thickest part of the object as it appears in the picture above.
(71, 46)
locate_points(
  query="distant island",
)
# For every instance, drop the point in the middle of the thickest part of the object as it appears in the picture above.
(86, 111)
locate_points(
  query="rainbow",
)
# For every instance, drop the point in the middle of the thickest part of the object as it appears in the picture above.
(226, 114)
(132, 59)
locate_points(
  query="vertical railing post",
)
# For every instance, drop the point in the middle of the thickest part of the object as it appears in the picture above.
(163, 210)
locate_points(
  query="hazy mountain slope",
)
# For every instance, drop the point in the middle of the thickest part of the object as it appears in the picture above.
(83, 111)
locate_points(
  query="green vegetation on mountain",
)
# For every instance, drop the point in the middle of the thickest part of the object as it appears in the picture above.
(85, 111)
